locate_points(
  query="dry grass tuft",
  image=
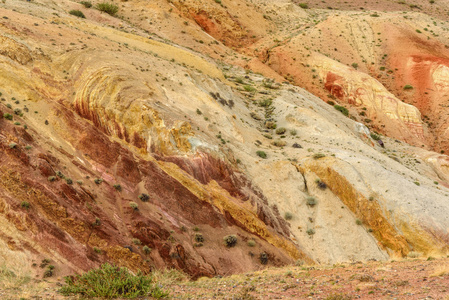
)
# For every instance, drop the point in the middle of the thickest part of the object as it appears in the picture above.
(169, 276)
(440, 270)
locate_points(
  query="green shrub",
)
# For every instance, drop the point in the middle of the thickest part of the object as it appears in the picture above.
(13, 145)
(98, 180)
(408, 87)
(251, 243)
(263, 258)
(134, 205)
(239, 80)
(199, 238)
(311, 201)
(146, 249)
(261, 154)
(342, 109)
(51, 178)
(288, 216)
(77, 13)
(265, 102)
(230, 240)
(321, 185)
(249, 88)
(144, 197)
(7, 116)
(69, 181)
(281, 130)
(318, 155)
(97, 222)
(355, 65)
(111, 282)
(137, 242)
(25, 204)
(109, 8)
(303, 5)
(358, 222)
(310, 231)
(87, 4)
(118, 187)
(374, 136)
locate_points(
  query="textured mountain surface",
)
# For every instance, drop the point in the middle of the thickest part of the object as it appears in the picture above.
(176, 123)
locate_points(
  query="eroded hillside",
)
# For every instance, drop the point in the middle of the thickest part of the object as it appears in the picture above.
(145, 138)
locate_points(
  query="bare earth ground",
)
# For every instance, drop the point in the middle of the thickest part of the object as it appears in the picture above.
(406, 279)
(409, 279)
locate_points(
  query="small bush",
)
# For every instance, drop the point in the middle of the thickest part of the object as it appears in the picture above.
(111, 282)
(263, 258)
(7, 116)
(97, 222)
(13, 145)
(134, 205)
(69, 181)
(408, 87)
(48, 273)
(25, 204)
(239, 80)
(98, 180)
(303, 5)
(137, 242)
(278, 143)
(281, 130)
(199, 238)
(288, 216)
(59, 174)
(51, 178)
(358, 222)
(77, 13)
(118, 187)
(261, 154)
(108, 8)
(230, 240)
(249, 88)
(146, 250)
(342, 109)
(321, 185)
(374, 136)
(318, 155)
(251, 243)
(355, 65)
(310, 231)
(196, 228)
(144, 197)
(311, 201)
(87, 4)
(265, 102)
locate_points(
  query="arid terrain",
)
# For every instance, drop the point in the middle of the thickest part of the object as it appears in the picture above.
(220, 137)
